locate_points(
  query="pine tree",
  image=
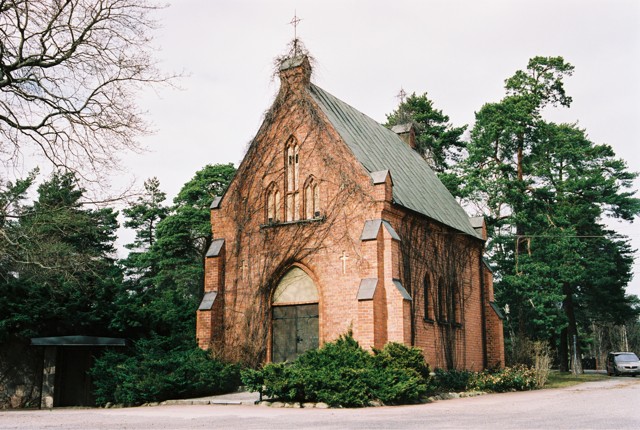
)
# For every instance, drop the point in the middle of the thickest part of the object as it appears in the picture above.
(62, 277)
(545, 188)
(439, 142)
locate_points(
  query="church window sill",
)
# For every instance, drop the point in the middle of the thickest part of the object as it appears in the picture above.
(449, 323)
(273, 224)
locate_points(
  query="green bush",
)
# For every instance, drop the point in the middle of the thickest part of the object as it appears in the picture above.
(516, 378)
(341, 373)
(154, 371)
(451, 380)
(397, 355)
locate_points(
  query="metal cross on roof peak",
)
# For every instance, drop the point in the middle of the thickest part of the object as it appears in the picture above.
(294, 22)
(402, 95)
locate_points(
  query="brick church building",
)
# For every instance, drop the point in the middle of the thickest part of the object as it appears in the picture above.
(335, 223)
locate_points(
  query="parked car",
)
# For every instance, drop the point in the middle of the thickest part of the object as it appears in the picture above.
(623, 363)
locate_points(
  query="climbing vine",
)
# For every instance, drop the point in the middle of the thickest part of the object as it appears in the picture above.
(437, 271)
(262, 250)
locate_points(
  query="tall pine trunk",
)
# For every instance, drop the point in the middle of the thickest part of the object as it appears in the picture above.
(571, 338)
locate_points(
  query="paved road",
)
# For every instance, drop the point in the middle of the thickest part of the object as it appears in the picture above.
(610, 404)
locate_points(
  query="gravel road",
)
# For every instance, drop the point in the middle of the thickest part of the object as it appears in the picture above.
(609, 404)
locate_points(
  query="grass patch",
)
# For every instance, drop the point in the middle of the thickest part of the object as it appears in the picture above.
(567, 379)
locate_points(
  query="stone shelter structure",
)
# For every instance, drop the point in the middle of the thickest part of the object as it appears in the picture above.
(334, 223)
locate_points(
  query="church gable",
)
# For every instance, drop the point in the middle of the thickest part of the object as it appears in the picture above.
(299, 199)
(297, 164)
(310, 237)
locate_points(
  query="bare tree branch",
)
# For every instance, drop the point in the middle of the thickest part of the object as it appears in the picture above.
(69, 72)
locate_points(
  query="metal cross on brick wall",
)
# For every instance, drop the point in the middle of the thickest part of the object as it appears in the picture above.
(244, 267)
(344, 259)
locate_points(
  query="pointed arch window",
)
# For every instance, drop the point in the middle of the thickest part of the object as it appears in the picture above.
(447, 301)
(277, 205)
(311, 198)
(271, 213)
(316, 200)
(442, 301)
(273, 204)
(428, 312)
(292, 180)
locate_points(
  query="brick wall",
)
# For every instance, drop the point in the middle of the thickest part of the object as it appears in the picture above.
(258, 252)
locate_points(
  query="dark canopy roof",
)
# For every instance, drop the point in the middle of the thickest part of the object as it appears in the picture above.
(77, 341)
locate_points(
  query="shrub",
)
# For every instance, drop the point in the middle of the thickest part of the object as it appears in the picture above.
(451, 380)
(153, 372)
(335, 374)
(397, 355)
(516, 378)
(542, 362)
(341, 373)
(401, 374)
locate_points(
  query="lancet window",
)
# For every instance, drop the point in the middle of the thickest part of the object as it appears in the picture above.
(311, 198)
(273, 204)
(428, 313)
(292, 168)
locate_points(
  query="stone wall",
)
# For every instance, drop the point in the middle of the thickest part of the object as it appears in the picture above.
(20, 375)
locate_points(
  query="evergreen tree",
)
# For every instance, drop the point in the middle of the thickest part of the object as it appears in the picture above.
(439, 142)
(165, 272)
(61, 278)
(144, 215)
(545, 188)
(185, 236)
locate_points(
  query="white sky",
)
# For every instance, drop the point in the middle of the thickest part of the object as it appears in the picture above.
(459, 52)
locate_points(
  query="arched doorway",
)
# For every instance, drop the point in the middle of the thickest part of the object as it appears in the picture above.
(294, 324)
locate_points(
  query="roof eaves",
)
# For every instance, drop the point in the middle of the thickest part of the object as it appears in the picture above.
(380, 176)
(207, 301)
(403, 292)
(367, 289)
(215, 248)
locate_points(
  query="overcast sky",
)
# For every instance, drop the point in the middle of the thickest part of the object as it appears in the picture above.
(459, 52)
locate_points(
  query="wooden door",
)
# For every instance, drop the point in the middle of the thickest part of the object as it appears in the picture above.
(295, 330)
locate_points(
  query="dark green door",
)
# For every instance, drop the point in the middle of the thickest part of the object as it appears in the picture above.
(73, 382)
(295, 330)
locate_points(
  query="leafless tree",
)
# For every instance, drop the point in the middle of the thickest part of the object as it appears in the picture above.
(69, 72)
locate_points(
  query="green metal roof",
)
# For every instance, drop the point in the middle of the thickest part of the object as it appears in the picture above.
(415, 185)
